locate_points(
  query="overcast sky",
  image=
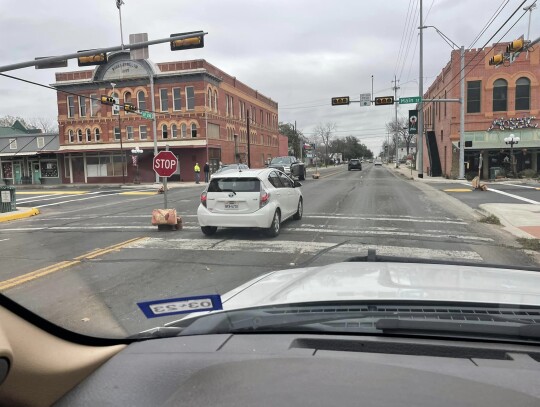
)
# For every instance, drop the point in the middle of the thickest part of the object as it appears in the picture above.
(298, 52)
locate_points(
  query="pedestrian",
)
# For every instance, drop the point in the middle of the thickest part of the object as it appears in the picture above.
(206, 170)
(197, 170)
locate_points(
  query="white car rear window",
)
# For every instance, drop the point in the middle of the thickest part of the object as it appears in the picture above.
(235, 185)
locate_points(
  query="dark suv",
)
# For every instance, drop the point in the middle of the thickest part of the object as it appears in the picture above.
(290, 166)
(355, 164)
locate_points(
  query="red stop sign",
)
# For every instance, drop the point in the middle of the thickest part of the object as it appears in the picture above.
(165, 163)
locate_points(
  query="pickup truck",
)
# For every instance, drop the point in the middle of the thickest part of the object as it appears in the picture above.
(290, 166)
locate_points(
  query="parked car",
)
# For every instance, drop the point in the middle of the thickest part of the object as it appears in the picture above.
(251, 198)
(377, 162)
(231, 167)
(354, 164)
(290, 166)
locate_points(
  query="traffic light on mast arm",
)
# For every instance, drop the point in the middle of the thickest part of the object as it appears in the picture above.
(97, 59)
(384, 100)
(107, 100)
(496, 59)
(197, 41)
(516, 45)
(342, 100)
(128, 107)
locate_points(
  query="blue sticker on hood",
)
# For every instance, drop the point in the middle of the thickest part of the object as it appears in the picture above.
(185, 305)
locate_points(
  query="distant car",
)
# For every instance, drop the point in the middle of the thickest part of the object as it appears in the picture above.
(355, 164)
(378, 162)
(370, 160)
(231, 167)
(250, 198)
(290, 166)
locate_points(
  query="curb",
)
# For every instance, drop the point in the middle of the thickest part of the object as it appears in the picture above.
(19, 215)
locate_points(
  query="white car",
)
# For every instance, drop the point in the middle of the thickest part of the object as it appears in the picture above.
(251, 199)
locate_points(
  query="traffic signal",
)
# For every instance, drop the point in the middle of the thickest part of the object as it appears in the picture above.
(128, 107)
(97, 59)
(197, 41)
(496, 59)
(342, 100)
(516, 45)
(107, 100)
(384, 100)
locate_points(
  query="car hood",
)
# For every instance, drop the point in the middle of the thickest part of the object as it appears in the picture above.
(388, 281)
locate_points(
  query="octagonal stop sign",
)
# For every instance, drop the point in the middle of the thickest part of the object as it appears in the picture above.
(165, 163)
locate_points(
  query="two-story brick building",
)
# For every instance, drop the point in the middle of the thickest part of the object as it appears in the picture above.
(200, 113)
(499, 101)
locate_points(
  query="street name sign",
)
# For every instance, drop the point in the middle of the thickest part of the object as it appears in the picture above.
(165, 164)
(147, 115)
(412, 99)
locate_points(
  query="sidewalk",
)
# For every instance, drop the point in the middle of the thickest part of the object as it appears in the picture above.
(522, 220)
(20, 213)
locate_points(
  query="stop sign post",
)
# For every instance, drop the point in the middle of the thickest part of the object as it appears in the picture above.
(165, 164)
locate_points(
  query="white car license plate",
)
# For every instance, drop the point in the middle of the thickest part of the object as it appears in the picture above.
(231, 205)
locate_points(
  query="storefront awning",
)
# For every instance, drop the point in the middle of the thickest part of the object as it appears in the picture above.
(21, 154)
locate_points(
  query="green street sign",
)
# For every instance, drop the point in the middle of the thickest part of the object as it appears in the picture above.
(147, 115)
(413, 99)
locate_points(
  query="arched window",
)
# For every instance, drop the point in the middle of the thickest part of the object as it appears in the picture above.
(141, 101)
(500, 93)
(164, 133)
(71, 136)
(88, 135)
(209, 99)
(97, 136)
(193, 130)
(184, 130)
(215, 101)
(174, 131)
(523, 94)
(79, 136)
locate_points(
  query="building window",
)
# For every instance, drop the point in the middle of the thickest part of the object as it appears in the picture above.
(232, 106)
(226, 105)
(71, 106)
(12, 143)
(82, 106)
(88, 135)
(79, 136)
(115, 108)
(500, 90)
(190, 97)
(105, 165)
(441, 135)
(523, 94)
(177, 100)
(48, 169)
(164, 133)
(473, 97)
(164, 100)
(193, 130)
(174, 131)
(129, 132)
(97, 136)
(71, 136)
(143, 135)
(94, 105)
(262, 117)
(40, 142)
(141, 101)
(117, 133)
(215, 101)
(184, 130)
(209, 99)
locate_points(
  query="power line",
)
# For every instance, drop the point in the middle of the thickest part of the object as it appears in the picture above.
(402, 41)
(490, 21)
(410, 37)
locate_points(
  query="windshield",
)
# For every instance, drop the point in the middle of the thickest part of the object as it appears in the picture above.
(290, 155)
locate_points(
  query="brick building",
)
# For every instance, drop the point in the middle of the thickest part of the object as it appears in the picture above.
(200, 113)
(499, 101)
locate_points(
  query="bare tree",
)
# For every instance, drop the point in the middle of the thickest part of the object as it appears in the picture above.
(325, 132)
(45, 124)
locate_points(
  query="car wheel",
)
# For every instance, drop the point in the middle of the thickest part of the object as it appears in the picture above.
(273, 230)
(299, 211)
(209, 230)
(302, 175)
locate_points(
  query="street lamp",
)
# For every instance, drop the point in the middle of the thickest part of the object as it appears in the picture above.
(511, 139)
(117, 108)
(135, 157)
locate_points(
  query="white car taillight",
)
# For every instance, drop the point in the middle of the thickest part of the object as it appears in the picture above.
(203, 198)
(264, 198)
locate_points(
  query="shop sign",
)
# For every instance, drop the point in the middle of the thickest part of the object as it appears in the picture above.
(513, 123)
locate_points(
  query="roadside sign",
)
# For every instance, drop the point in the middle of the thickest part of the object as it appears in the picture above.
(116, 106)
(6, 196)
(147, 115)
(413, 121)
(165, 163)
(412, 99)
(365, 99)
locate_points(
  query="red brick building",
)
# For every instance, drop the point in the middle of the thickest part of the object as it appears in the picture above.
(200, 113)
(498, 102)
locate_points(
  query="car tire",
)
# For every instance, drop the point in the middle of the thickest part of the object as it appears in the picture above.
(300, 210)
(302, 175)
(209, 230)
(274, 228)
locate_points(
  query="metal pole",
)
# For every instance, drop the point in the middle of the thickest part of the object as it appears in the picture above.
(154, 120)
(121, 148)
(462, 116)
(206, 131)
(165, 184)
(397, 129)
(248, 140)
(420, 138)
(371, 87)
(119, 4)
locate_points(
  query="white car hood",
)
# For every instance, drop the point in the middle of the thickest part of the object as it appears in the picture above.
(388, 281)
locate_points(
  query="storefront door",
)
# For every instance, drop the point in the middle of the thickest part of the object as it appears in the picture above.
(35, 171)
(17, 172)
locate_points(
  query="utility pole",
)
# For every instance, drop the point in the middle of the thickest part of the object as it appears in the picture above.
(248, 140)
(462, 115)
(420, 138)
(396, 137)
(120, 133)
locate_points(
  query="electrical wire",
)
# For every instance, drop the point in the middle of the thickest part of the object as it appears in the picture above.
(402, 41)
(490, 21)
(410, 37)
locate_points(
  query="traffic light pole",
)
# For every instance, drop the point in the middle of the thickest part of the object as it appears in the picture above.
(420, 142)
(248, 140)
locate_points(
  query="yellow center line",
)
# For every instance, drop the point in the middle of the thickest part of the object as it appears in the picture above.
(15, 281)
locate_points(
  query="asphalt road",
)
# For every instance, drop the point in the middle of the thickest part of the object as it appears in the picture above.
(91, 255)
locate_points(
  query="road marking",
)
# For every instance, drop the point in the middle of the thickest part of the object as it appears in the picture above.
(51, 192)
(457, 190)
(419, 220)
(298, 247)
(514, 196)
(3, 240)
(78, 200)
(521, 186)
(49, 198)
(138, 193)
(12, 282)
